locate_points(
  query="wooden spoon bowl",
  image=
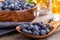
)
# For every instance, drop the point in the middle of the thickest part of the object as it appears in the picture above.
(53, 28)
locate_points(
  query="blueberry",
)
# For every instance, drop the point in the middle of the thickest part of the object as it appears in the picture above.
(19, 5)
(31, 5)
(43, 32)
(17, 8)
(35, 28)
(11, 1)
(22, 3)
(35, 33)
(17, 1)
(49, 26)
(47, 30)
(43, 26)
(23, 26)
(7, 1)
(30, 27)
(27, 4)
(41, 22)
(39, 27)
(1, 4)
(4, 3)
(11, 6)
(27, 7)
(16, 4)
(27, 31)
(5, 7)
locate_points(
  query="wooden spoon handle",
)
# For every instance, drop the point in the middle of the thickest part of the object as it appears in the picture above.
(56, 25)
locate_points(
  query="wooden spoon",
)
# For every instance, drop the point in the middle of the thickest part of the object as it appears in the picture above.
(53, 28)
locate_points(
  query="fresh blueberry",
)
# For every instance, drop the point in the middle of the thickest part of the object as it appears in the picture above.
(17, 8)
(43, 26)
(32, 26)
(1, 5)
(35, 28)
(5, 7)
(11, 6)
(31, 5)
(47, 30)
(23, 26)
(22, 3)
(49, 26)
(41, 22)
(7, 1)
(17, 1)
(27, 7)
(19, 5)
(43, 32)
(29, 27)
(27, 31)
(35, 33)
(39, 27)
(16, 4)
(11, 1)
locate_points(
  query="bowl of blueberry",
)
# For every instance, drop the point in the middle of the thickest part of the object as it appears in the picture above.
(34, 30)
(17, 11)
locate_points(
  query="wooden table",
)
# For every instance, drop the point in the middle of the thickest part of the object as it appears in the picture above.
(18, 36)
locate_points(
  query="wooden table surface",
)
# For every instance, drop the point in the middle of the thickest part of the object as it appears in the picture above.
(18, 36)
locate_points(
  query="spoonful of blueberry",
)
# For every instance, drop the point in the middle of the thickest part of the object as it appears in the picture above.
(37, 30)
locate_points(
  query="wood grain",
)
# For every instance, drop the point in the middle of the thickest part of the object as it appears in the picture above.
(18, 15)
